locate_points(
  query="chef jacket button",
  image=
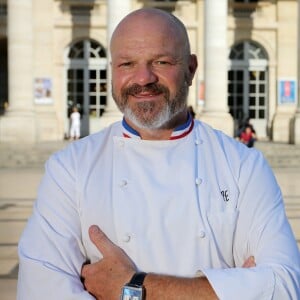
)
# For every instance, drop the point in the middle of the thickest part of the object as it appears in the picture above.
(123, 183)
(121, 143)
(198, 181)
(199, 273)
(126, 238)
(198, 142)
(202, 234)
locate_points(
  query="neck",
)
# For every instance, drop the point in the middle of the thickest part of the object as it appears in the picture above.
(161, 133)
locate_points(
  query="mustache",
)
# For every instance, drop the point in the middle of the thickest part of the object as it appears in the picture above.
(153, 88)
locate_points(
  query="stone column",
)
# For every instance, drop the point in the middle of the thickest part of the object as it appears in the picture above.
(18, 124)
(116, 11)
(296, 125)
(215, 66)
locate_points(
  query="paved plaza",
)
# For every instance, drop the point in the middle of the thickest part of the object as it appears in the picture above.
(21, 170)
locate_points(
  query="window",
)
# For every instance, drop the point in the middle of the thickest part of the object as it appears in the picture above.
(87, 80)
(248, 85)
(3, 9)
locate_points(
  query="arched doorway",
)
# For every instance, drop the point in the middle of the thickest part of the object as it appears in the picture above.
(86, 76)
(248, 85)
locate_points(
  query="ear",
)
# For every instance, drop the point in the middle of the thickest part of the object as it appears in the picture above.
(192, 67)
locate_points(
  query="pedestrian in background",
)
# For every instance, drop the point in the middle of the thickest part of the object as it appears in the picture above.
(247, 136)
(75, 124)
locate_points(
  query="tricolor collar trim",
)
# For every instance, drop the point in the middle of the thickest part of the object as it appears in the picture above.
(178, 133)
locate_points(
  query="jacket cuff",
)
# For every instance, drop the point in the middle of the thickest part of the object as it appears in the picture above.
(242, 283)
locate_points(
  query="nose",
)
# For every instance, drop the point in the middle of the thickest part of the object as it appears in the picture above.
(144, 75)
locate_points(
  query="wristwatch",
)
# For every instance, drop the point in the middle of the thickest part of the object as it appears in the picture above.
(134, 289)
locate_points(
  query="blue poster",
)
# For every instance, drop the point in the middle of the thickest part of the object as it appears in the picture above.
(287, 91)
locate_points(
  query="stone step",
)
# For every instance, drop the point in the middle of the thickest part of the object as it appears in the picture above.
(11, 155)
(31, 155)
(280, 155)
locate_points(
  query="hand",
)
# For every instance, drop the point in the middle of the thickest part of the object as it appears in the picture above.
(105, 278)
(250, 262)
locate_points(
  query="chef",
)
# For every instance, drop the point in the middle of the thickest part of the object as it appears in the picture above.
(158, 205)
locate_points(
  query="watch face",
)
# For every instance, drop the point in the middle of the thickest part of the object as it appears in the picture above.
(132, 293)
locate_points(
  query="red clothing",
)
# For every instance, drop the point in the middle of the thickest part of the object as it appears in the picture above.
(246, 137)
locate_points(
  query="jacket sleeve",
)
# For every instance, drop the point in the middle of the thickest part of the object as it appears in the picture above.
(51, 253)
(262, 231)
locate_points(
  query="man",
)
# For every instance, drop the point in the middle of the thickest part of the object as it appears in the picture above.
(159, 201)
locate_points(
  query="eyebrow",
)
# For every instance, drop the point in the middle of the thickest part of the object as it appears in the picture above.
(156, 56)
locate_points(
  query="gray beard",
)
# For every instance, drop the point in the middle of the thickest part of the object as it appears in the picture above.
(160, 120)
(168, 111)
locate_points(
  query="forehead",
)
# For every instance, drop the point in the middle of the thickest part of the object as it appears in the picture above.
(146, 32)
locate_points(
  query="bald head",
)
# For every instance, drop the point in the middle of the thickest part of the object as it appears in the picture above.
(152, 69)
(147, 21)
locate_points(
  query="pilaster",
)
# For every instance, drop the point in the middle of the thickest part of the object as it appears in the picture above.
(296, 120)
(19, 124)
(116, 11)
(215, 70)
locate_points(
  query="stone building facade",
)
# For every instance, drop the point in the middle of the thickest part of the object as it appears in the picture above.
(54, 55)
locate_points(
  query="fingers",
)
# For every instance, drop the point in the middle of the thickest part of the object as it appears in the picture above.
(250, 262)
(100, 240)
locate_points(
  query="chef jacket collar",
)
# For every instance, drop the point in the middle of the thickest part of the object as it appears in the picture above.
(179, 132)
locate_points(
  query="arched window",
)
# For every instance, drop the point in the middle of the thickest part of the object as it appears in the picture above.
(87, 49)
(247, 50)
(248, 84)
(87, 80)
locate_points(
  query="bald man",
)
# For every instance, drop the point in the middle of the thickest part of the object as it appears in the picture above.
(161, 206)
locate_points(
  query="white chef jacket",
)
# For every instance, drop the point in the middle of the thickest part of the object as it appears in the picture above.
(203, 202)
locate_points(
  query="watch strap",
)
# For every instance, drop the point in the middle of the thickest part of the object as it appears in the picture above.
(137, 279)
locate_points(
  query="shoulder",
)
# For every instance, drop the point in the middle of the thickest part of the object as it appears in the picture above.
(225, 147)
(247, 166)
(88, 148)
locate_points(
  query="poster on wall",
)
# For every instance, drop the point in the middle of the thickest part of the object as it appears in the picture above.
(43, 91)
(287, 91)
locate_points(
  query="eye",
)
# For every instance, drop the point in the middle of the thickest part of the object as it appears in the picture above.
(162, 62)
(126, 64)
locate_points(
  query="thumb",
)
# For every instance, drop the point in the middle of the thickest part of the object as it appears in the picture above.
(100, 240)
(250, 262)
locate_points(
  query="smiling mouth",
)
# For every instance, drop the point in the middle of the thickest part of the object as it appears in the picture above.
(149, 92)
(146, 96)
(147, 89)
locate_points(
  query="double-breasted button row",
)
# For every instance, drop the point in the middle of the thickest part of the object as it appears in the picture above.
(198, 142)
(202, 234)
(123, 183)
(198, 181)
(126, 238)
